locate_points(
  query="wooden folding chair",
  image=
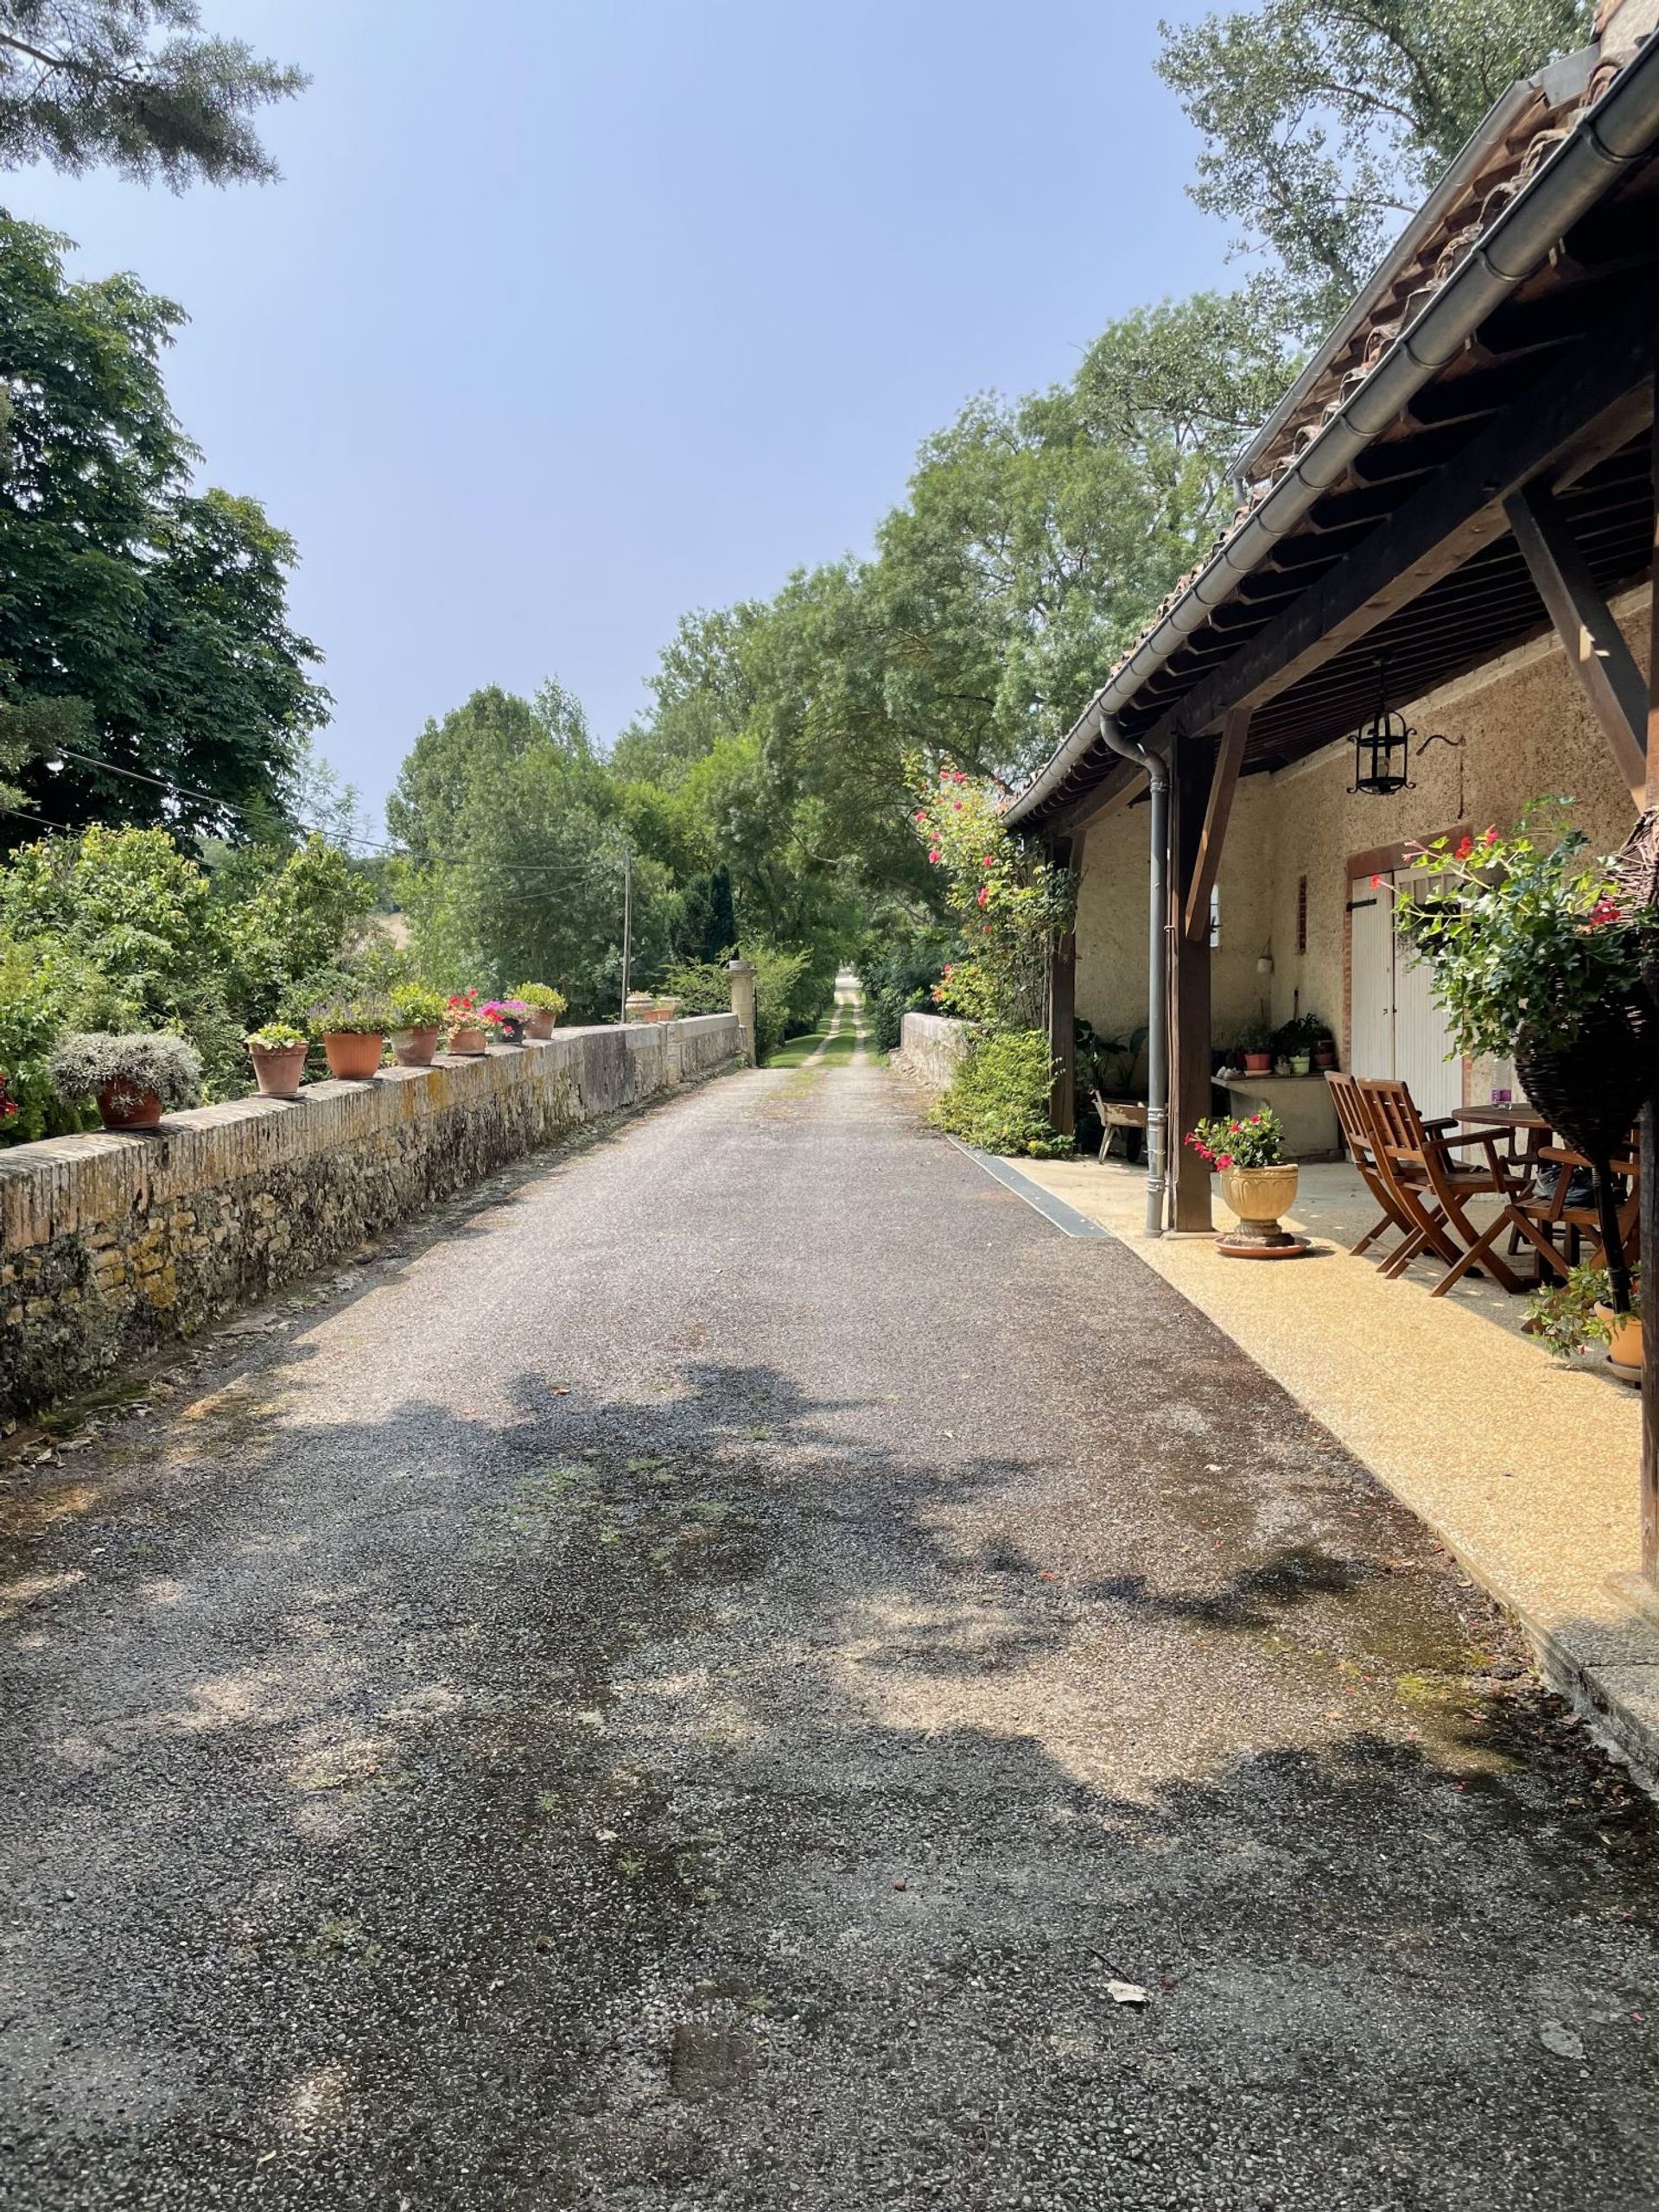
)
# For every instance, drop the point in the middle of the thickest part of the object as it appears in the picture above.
(1435, 1188)
(1541, 1214)
(1357, 1133)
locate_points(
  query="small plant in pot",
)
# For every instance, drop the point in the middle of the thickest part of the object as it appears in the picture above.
(1257, 1182)
(507, 1020)
(545, 1005)
(1255, 1048)
(464, 1030)
(354, 1034)
(1570, 1316)
(135, 1079)
(1298, 1040)
(278, 1053)
(420, 1013)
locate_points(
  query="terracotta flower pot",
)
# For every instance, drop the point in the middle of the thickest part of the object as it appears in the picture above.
(1324, 1055)
(120, 1107)
(1259, 1195)
(1624, 1346)
(469, 1043)
(354, 1054)
(278, 1069)
(542, 1020)
(414, 1047)
(1258, 1063)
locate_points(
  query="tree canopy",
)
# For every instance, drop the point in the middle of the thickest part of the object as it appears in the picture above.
(135, 84)
(143, 624)
(1325, 122)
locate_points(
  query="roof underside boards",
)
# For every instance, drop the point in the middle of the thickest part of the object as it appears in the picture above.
(1597, 297)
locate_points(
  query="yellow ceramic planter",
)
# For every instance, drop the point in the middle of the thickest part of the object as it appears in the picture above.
(1259, 1195)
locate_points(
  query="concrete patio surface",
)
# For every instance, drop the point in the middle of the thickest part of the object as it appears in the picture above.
(1525, 1466)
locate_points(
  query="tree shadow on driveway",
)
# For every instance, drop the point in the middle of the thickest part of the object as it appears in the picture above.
(715, 1799)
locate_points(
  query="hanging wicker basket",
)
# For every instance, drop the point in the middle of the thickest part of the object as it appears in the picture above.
(1592, 1092)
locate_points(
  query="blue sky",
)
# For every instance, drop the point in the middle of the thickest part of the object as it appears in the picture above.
(571, 315)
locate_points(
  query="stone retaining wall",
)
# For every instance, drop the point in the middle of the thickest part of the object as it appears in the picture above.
(111, 1243)
(931, 1047)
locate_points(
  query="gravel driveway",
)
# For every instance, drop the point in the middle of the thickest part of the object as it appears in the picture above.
(686, 1681)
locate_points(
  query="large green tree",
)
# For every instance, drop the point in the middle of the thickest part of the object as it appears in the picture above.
(1325, 122)
(514, 839)
(143, 624)
(136, 84)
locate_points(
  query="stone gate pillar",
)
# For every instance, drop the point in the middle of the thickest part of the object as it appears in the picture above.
(742, 975)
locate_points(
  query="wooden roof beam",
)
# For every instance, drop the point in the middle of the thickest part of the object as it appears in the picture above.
(1223, 782)
(1581, 410)
(1596, 650)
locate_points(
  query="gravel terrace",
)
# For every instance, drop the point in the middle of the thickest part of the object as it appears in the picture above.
(685, 1681)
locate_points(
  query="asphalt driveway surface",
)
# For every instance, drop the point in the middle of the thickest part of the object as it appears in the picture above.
(688, 1682)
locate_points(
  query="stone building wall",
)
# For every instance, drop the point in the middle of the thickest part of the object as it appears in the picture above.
(111, 1243)
(1526, 732)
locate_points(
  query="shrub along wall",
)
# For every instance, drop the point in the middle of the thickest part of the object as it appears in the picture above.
(111, 1243)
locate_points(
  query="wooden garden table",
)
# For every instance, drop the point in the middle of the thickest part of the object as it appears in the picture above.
(1529, 1218)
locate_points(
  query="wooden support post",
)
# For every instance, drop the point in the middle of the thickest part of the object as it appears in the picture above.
(1065, 853)
(1651, 1134)
(1596, 651)
(1218, 807)
(1191, 783)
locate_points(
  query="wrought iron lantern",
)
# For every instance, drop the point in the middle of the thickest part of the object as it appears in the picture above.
(1382, 748)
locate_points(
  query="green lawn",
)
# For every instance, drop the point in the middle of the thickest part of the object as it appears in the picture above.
(838, 1046)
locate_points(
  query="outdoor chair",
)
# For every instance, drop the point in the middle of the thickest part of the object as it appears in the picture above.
(1418, 1160)
(1357, 1135)
(1548, 1210)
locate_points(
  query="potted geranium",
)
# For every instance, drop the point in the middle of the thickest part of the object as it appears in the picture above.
(1255, 1048)
(1539, 955)
(1257, 1182)
(278, 1053)
(420, 1016)
(545, 1005)
(1570, 1316)
(464, 1029)
(354, 1034)
(135, 1079)
(505, 1019)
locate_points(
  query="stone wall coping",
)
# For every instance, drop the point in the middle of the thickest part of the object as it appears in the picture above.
(62, 1185)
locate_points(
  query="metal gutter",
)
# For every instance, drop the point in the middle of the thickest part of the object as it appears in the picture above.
(1617, 130)
(1557, 84)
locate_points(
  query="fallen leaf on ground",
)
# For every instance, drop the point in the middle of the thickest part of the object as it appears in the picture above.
(1126, 1992)
(1562, 2041)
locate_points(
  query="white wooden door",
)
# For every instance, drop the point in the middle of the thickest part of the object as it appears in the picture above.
(1372, 1004)
(1399, 1029)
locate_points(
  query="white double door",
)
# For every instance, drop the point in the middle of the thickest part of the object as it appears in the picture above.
(1398, 1027)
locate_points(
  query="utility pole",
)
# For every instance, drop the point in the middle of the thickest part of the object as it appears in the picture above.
(627, 924)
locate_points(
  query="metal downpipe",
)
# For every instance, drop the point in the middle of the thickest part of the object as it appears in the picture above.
(1157, 968)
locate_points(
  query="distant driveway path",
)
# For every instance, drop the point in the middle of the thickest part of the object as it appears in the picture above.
(687, 1683)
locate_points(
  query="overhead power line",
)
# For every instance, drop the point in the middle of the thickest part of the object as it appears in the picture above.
(567, 872)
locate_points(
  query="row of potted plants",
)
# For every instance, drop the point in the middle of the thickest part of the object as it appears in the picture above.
(1304, 1044)
(138, 1077)
(419, 1021)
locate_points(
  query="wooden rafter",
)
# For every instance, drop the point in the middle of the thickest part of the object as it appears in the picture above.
(1594, 400)
(1121, 788)
(1218, 807)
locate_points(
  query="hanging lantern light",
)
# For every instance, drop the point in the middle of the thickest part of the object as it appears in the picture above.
(1383, 748)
